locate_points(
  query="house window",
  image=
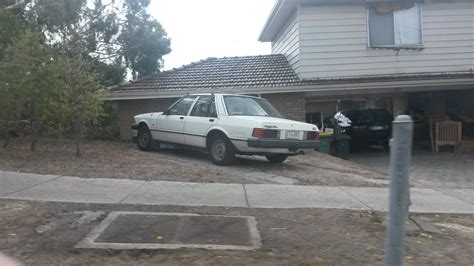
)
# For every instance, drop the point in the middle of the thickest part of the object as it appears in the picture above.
(392, 24)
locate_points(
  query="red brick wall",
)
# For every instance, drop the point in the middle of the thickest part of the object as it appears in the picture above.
(129, 108)
(290, 105)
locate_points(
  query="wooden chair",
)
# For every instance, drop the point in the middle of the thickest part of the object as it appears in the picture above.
(448, 133)
(432, 120)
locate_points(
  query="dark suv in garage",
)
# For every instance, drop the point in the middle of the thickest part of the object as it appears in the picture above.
(367, 127)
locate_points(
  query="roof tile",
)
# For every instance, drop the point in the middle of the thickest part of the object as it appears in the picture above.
(221, 73)
(263, 71)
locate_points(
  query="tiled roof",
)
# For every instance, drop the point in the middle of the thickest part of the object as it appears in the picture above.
(221, 73)
(251, 74)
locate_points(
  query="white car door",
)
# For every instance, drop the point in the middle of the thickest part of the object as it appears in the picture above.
(170, 126)
(202, 117)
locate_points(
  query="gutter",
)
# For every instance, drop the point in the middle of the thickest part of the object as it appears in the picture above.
(316, 90)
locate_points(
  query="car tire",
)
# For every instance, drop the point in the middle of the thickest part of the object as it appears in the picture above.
(144, 139)
(276, 158)
(221, 150)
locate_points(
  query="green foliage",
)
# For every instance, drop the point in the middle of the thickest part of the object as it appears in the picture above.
(30, 82)
(79, 96)
(107, 127)
(26, 62)
(119, 36)
(48, 88)
(57, 55)
(10, 26)
(144, 40)
(108, 74)
(57, 15)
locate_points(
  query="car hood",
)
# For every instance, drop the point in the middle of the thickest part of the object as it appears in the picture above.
(279, 123)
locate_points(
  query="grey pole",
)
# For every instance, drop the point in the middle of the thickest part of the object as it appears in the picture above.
(400, 157)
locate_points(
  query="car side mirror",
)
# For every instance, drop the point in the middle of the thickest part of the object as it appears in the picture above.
(167, 111)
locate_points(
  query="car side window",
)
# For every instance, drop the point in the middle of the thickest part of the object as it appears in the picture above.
(212, 109)
(205, 107)
(182, 107)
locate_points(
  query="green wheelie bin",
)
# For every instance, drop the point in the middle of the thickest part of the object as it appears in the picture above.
(325, 141)
(342, 146)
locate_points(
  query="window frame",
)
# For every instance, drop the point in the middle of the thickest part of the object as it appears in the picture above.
(179, 101)
(213, 101)
(396, 46)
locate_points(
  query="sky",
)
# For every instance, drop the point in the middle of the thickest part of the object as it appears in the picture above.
(199, 29)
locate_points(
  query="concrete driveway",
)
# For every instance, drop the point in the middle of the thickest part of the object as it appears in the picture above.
(428, 169)
(310, 169)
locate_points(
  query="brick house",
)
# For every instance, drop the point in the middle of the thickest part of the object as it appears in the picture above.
(416, 57)
(270, 76)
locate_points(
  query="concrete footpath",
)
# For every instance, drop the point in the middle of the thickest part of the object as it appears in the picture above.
(25, 186)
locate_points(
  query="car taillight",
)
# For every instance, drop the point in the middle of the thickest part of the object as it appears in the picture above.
(312, 135)
(265, 133)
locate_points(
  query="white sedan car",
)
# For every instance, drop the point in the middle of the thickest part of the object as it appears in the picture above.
(226, 125)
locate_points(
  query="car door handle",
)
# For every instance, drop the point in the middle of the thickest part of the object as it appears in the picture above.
(181, 117)
(211, 120)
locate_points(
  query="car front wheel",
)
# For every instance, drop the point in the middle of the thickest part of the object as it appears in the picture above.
(144, 139)
(277, 158)
(221, 150)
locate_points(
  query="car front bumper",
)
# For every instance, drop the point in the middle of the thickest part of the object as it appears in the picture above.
(292, 145)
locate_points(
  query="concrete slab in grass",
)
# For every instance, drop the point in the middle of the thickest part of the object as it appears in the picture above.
(149, 230)
(73, 189)
(283, 196)
(11, 181)
(189, 194)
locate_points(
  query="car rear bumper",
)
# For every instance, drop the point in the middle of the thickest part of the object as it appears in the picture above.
(134, 133)
(292, 145)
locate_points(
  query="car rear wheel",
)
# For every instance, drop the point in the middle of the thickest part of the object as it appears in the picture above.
(277, 158)
(221, 150)
(144, 139)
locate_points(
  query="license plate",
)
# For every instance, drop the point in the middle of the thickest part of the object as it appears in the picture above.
(376, 128)
(292, 134)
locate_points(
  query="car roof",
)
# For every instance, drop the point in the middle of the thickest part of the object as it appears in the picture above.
(223, 94)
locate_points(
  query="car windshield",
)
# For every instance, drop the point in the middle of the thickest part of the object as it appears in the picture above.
(249, 106)
(359, 117)
(381, 116)
(370, 116)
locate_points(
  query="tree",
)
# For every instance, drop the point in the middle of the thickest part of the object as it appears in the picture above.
(10, 27)
(143, 39)
(116, 35)
(62, 52)
(83, 95)
(31, 82)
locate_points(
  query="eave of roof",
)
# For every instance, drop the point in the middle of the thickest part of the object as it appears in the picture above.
(329, 86)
